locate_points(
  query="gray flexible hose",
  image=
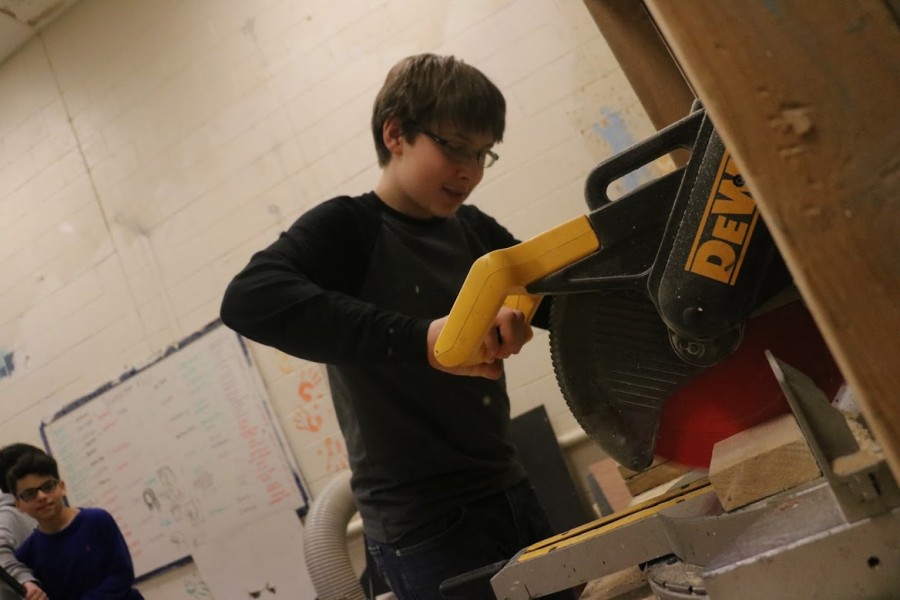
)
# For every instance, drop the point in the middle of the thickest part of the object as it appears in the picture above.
(325, 542)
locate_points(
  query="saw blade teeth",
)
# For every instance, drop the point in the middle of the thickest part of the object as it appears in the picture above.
(615, 368)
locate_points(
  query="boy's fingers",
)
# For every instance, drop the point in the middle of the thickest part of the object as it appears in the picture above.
(487, 370)
(514, 332)
(492, 370)
(493, 342)
(509, 333)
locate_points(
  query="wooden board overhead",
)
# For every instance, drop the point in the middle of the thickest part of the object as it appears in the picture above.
(644, 58)
(804, 94)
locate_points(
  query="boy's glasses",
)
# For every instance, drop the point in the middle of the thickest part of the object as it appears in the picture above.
(29, 494)
(459, 152)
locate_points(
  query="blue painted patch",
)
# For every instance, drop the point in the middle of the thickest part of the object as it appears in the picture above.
(614, 131)
(7, 364)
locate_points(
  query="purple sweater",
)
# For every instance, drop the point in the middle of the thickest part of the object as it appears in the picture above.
(88, 560)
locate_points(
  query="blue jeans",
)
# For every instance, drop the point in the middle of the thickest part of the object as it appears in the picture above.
(480, 533)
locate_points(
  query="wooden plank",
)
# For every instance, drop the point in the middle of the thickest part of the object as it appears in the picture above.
(644, 58)
(804, 94)
(659, 472)
(610, 483)
(758, 462)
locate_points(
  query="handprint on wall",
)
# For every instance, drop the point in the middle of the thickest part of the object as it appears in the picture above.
(335, 455)
(311, 390)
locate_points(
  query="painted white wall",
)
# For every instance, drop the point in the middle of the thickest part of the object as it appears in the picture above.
(148, 148)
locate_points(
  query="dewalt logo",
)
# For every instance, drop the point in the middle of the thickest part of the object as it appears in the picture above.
(726, 228)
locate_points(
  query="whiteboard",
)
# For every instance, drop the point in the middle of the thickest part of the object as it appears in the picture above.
(180, 451)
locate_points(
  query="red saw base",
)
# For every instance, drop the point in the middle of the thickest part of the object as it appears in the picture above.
(742, 391)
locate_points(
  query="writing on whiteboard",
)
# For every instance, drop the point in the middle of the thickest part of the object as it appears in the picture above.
(180, 451)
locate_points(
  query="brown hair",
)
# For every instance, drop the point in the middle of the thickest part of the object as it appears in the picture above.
(9, 456)
(31, 463)
(429, 90)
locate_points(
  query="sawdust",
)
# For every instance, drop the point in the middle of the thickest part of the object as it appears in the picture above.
(869, 453)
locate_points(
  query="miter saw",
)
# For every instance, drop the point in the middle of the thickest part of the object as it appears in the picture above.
(665, 303)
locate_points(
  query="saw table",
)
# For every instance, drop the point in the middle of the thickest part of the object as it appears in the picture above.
(836, 537)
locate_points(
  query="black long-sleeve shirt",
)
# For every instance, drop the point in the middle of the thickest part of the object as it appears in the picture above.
(354, 284)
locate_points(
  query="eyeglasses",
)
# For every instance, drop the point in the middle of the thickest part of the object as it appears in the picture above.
(29, 494)
(459, 152)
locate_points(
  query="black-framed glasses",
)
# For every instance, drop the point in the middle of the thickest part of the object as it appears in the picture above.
(459, 152)
(29, 494)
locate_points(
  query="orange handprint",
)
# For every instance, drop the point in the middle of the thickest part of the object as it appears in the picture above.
(335, 455)
(306, 416)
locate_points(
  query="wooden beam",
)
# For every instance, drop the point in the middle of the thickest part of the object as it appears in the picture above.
(644, 58)
(659, 472)
(616, 494)
(804, 94)
(766, 459)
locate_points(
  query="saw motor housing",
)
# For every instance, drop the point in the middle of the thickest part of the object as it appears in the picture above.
(692, 241)
(683, 262)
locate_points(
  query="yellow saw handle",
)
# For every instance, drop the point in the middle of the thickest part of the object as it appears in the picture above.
(499, 278)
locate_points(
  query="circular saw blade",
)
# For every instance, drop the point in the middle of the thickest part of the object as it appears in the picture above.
(636, 398)
(615, 368)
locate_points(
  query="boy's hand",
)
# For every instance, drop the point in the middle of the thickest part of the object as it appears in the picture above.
(33, 592)
(509, 333)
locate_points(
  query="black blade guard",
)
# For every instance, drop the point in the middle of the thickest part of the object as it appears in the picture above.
(615, 368)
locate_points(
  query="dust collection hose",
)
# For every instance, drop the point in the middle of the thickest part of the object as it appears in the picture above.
(325, 542)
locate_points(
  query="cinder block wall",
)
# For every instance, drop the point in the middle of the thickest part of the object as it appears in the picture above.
(148, 148)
